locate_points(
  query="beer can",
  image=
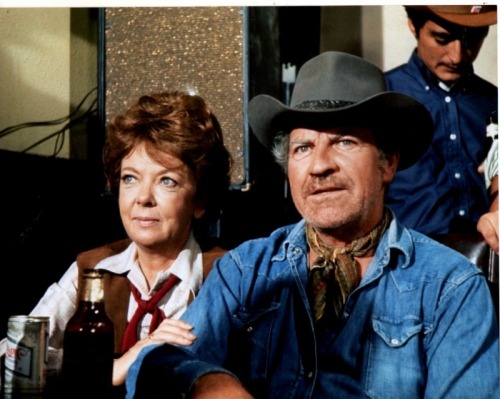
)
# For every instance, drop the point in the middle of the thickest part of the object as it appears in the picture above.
(26, 359)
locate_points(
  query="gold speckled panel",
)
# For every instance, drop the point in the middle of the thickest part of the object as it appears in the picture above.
(185, 48)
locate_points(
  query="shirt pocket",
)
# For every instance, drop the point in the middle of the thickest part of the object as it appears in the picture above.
(251, 335)
(396, 361)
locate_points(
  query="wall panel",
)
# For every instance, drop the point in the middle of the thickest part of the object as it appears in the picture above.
(198, 49)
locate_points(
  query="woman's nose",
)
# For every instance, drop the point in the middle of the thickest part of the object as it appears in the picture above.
(145, 195)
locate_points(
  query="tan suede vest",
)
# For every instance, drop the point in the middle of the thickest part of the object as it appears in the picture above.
(117, 286)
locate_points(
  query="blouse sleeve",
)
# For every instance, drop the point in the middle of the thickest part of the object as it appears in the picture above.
(59, 304)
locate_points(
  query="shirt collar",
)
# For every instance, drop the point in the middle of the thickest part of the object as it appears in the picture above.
(188, 266)
(444, 86)
(396, 241)
(427, 78)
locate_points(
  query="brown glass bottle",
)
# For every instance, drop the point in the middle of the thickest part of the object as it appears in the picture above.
(87, 368)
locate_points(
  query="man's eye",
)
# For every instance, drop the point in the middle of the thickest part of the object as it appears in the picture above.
(346, 143)
(299, 148)
(444, 40)
(300, 151)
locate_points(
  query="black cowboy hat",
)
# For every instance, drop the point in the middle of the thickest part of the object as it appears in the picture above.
(339, 89)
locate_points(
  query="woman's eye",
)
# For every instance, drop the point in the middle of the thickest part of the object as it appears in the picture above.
(168, 182)
(128, 179)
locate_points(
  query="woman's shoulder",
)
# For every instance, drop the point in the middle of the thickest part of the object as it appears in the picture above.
(209, 256)
(89, 259)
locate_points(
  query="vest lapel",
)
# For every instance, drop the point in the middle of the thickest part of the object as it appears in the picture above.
(117, 286)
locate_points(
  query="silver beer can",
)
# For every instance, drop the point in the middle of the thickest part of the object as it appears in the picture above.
(26, 359)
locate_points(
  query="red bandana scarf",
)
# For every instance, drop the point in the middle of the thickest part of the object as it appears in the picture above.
(130, 336)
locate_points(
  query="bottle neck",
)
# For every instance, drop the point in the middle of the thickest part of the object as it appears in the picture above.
(93, 289)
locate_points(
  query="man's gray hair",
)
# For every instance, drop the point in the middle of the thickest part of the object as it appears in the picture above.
(280, 149)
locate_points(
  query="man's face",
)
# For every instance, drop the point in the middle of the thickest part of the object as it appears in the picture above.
(448, 52)
(337, 179)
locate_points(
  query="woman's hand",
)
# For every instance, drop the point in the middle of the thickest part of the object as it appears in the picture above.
(170, 331)
(173, 332)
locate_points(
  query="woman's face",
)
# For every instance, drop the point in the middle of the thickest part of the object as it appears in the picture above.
(157, 201)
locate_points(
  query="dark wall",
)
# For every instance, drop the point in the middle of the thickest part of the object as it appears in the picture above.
(52, 210)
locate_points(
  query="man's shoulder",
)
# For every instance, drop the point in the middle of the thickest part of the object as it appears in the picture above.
(396, 70)
(268, 247)
(436, 257)
(483, 86)
(403, 78)
(424, 253)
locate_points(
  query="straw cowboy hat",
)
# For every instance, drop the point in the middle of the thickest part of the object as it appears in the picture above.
(339, 89)
(473, 16)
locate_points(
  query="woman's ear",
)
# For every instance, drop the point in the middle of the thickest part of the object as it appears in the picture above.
(199, 211)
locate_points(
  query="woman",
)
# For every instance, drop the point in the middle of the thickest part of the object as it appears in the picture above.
(166, 159)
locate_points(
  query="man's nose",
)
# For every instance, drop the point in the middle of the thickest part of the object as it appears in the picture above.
(459, 52)
(323, 160)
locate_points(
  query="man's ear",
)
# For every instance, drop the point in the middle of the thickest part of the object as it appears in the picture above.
(391, 166)
(412, 28)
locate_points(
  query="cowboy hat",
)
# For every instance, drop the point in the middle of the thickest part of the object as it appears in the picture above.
(339, 89)
(473, 16)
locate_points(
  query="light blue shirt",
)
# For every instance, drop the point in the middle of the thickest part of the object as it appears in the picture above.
(421, 324)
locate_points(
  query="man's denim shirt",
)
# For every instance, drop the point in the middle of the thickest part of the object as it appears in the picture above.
(421, 324)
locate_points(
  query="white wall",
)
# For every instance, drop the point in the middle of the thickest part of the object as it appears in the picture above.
(35, 73)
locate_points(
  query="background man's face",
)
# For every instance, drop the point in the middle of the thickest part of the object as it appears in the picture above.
(447, 53)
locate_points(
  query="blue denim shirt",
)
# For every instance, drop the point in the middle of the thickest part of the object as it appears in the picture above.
(421, 324)
(443, 192)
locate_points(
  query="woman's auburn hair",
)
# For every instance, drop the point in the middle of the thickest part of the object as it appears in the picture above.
(179, 124)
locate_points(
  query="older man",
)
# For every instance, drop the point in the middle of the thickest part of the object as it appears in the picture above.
(346, 303)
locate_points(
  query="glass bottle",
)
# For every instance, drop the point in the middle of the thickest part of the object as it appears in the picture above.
(88, 348)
